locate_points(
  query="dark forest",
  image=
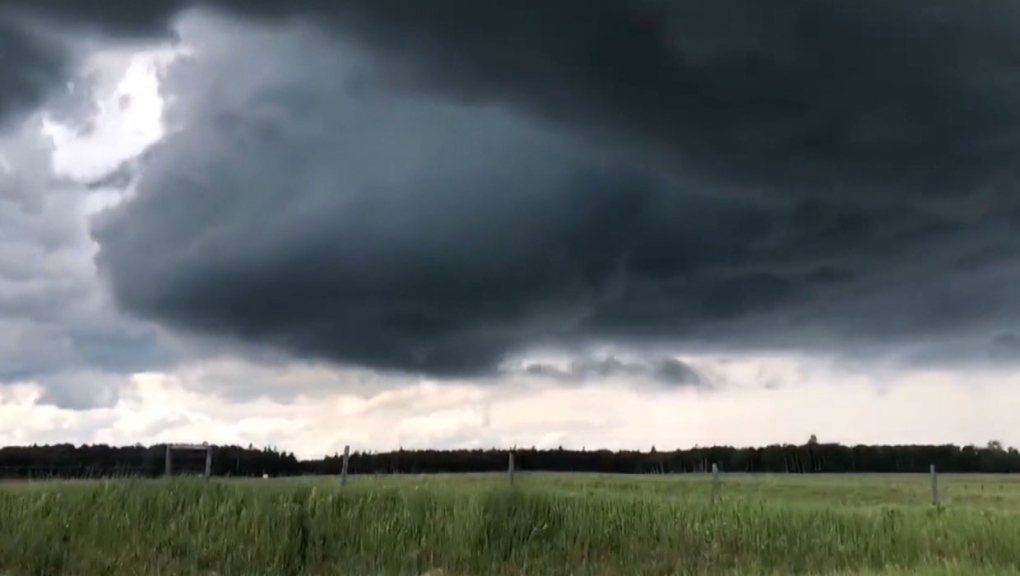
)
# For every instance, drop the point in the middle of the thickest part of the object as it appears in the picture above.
(98, 461)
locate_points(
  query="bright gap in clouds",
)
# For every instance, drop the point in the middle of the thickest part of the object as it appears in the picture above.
(128, 117)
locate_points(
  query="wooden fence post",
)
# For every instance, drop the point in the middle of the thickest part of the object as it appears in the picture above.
(715, 482)
(347, 458)
(167, 470)
(934, 485)
(510, 467)
(208, 462)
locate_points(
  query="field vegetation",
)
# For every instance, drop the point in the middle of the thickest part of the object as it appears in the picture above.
(545, 524)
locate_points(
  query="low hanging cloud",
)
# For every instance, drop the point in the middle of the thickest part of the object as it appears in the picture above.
(669, 371)
(434, 188)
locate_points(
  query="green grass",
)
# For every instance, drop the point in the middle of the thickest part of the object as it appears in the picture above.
(546, 525)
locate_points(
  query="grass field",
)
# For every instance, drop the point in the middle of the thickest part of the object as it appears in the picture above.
(475, 525)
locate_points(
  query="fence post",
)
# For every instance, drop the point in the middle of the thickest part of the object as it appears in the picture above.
(208, 463)
(167, 469)
(347, 459)
(715, 482)
(934, 485)
(510, 467)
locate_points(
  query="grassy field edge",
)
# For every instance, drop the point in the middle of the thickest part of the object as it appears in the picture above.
(484, 527)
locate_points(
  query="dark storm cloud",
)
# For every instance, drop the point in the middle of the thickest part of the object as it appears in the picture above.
(817, 97)
(855, 97)
(32, 66)
(458, 181)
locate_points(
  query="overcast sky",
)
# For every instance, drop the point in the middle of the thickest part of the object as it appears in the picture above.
(602, 223)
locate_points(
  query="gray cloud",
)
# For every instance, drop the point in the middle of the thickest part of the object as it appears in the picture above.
(818, 176)
(82, 390)
(57, 326)
(1006, 347)
(679, 372)
(665, 370)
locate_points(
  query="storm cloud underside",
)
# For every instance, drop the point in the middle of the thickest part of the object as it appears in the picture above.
(432, 189)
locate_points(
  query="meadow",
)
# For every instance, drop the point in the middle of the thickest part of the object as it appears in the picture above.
(546, 524)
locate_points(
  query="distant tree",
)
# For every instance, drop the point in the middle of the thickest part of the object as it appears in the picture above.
(68, 461)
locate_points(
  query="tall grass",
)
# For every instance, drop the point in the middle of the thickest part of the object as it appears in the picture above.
(290, 528)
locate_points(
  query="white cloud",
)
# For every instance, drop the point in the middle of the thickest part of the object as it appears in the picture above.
(914, 408)
(128, 116)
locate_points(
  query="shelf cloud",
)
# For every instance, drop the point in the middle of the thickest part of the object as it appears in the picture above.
(437, 187)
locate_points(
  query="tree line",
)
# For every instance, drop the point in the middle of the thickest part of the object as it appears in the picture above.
(100, 460)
